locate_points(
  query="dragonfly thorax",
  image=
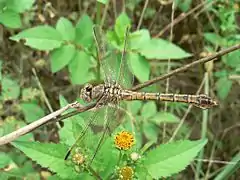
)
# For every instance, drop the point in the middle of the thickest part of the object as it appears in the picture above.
(103, 92)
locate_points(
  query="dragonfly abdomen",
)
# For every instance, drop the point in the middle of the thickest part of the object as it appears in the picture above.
(202, 100)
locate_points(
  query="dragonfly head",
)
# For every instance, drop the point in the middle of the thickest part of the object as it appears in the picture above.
(86, 92)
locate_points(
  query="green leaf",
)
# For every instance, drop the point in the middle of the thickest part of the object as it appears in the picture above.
(61, 57)
(150, 131)
(79, 67)
(71, 126)
(40, 37)
(165, 117)
(48, 156)
(149, 109)
(66, 29)
(10, 89)
(19, 6)
(139, 67)
(5, 160)
(32, 111)
(102, 1)
(171, 158)
(224, 86)
(161, 49)
(134, 106)
(10, 19)
(122, 22)
(184, 5)
(84, 31)
(232, 59)
(215, 39)
(138, 38)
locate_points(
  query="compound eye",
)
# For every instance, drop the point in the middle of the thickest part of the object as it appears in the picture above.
(89, 88)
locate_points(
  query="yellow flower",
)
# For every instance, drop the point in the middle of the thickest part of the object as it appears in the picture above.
(126, 173)
(124, 140)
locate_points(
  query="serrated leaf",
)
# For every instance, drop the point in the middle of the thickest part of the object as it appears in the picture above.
(32, 111)
(139, 67)
(149, 109)
(171, 158)
(40, 37)
(161, 49)
(224, 86)
(10, 89)
(61, 57)
(165, 117)
(122, 22)
(66, 29)
(10, 19)
(19, 6)
(84, 31)
(79, 67)
(49, 156)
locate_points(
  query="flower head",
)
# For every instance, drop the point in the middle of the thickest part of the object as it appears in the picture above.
(124, 140)
(78, 158)
(126, 173)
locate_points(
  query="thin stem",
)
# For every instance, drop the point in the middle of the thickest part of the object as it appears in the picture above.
(141, 17)
(168, 68)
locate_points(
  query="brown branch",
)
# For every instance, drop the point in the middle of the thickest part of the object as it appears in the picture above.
(49, 118)
(203, 60)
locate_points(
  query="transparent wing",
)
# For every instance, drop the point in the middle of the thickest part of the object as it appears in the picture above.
(125, 77)
(105, 55)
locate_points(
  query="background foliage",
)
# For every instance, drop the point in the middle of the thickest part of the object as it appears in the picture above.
(54, 40)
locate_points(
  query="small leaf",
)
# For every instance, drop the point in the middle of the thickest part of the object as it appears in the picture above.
(10, 89)
(79, 67)
(19, 6)
(32, 111)
(121, 25)
(149, 109)
(10, 19)
(84, 31)
(61, 57)
(161, 49)
(165, 117)
(215, 39)
(138, 38)
(40, 37)
(224, 86)
(49, 156)
(139, 67)
(171, 158)
(66, 29)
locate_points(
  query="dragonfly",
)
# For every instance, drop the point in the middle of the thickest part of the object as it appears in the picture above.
(116, 88)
